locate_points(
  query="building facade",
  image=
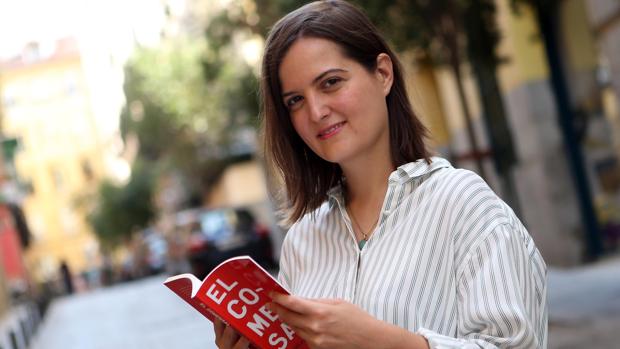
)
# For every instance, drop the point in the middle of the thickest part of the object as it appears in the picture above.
(47, 106)
(4, 295)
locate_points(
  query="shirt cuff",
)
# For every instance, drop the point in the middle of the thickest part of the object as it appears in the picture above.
(439, 341)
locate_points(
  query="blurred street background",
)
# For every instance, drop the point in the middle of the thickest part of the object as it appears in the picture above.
(129, 152)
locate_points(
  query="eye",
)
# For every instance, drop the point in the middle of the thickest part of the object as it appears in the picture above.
(331, 82)
(292, 102)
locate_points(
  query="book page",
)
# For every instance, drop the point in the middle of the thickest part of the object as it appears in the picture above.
(187, 286)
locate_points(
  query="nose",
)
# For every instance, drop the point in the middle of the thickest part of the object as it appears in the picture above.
(318, 107)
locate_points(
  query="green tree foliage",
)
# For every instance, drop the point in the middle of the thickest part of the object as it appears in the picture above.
(168, 110)
(233, 82)
(195, 89)
(123, 209)
(187, 99)
(165, 92)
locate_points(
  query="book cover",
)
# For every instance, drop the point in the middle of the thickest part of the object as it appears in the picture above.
(237, 291)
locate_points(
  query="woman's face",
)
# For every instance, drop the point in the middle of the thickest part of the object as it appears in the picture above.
(336, 105)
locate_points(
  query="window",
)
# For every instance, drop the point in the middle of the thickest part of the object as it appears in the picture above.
(8, 102)
(87, 171)
(68, 221)
(57, 178)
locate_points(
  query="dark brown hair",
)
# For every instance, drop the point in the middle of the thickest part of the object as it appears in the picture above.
(306, 176)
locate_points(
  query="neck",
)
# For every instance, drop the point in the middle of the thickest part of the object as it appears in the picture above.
(366, 184)
(366, 181)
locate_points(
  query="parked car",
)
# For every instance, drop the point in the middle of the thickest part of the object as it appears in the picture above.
(157, 250)
(149, 254)
(224, 233)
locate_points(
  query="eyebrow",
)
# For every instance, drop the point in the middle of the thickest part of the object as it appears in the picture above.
(319, 77)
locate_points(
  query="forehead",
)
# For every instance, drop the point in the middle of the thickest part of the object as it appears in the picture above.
(307, 58)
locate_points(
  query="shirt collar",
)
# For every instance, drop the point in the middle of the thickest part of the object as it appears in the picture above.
(402, 174)
(418, 168)
(334, 195)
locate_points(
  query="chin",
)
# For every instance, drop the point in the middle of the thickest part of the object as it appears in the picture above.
(327, 158)
(337, 152)
(335, 157)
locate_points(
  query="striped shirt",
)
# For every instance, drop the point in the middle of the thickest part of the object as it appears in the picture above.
(448, 260)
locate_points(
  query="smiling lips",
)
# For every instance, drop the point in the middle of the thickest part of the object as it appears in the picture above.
(331, 130)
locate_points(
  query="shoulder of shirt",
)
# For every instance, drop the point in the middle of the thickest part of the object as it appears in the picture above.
(472, 202)
(478, 210)
(466, 184)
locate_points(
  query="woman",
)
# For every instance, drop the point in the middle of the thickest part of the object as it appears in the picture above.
(390, 248)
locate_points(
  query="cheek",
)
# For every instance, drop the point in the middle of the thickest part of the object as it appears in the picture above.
(348, 101)
(361, 102)
(301, 127)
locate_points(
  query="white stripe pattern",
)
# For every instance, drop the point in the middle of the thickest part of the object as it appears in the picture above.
(448, 260)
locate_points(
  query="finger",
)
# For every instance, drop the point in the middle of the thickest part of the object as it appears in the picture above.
(230, 334)
(291, 318)
(327, 301)
(296, 304)
(218, 327)
(229, 338)
(242, 343)
(304, 334)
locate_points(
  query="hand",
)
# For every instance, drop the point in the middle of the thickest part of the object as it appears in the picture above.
(328, 323)
(227, 338)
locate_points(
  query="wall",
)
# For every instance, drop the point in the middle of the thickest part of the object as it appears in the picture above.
(47, 106)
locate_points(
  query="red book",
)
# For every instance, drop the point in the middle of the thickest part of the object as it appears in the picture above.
(236, 291)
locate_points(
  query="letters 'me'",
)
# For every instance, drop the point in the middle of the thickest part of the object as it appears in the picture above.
(215, 294)
(258, 324)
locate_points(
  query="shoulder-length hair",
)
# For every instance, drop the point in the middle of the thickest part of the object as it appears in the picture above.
(306, 176)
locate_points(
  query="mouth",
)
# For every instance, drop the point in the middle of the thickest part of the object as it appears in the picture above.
(331, 130)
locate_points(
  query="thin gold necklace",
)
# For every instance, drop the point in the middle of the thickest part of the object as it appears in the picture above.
(362, 242)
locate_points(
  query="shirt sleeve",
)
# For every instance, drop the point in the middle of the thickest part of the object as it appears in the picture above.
(284, 274)
(501, 295)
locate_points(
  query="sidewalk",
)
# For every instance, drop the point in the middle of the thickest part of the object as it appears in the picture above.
(138, 315)
(584, 306)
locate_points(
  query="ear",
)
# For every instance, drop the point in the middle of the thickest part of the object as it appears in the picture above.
(385, 72)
